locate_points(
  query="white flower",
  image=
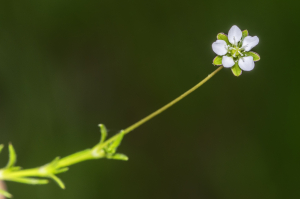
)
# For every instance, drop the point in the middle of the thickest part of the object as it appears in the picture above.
(234, 50)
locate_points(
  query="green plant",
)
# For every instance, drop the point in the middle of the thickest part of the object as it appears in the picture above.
(228, 51)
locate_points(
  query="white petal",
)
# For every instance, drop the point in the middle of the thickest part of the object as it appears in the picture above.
(246, 63)
(250, 42)
(234, 34)
(219, 47)
(227, 62)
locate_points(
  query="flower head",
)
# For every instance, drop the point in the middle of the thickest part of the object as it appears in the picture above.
(234, 50)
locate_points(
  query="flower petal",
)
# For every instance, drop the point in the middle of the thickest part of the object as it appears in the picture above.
(234, 34)
(250, 42)
(227, 62)
(219, 47)
(246, 63)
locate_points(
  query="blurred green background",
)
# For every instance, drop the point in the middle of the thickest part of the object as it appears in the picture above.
(66, 66)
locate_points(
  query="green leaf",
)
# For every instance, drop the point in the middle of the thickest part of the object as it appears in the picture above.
(12, 156)
(223, 36)
(61, 170)
(53, 167)
(244, 34)
(58, 181)
(118, 156)
(113, 147)
(103, 131)
(255, 55)
(5, 193)
(29, 180)
(15, 168)
(236, 70)
(217, 61)
(1, 147)
(55, 161)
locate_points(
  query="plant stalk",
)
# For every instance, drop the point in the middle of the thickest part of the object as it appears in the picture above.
(152, 115)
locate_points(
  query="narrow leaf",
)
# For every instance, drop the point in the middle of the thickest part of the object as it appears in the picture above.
(244, 34)
(61, 170)
(58, 181)
(114, 145)
(55, 161)
(255, 55)
(103, 131)
(223, 36)
(119, 156)
(5, 193)
(33, 181)
(15, 168)
(12, 156)
(236, 70)
(217, 61)
(1, 147)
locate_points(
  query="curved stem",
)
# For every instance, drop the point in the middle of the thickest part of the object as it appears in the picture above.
(50, 169)
(142, 121)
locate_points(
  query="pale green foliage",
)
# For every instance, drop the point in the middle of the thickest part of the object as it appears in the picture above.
(223, 36)
(236, 69)
(103, 132)
(104, 149)
(245, 33)
(111, 148)
(255, 55)
(32, 181)
(1, 147)
(217, 61)
(5, 193)
(12, 157)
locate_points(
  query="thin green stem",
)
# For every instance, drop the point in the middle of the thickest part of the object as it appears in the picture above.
(142, 121)
(75, 158)
(95, 153)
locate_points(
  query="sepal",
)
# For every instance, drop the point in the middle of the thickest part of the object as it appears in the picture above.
(223, 36)
(245, 33)
(255, 55)
(217, 61)
(236, 70)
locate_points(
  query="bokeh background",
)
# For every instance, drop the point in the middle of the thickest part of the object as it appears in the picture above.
(66, 66)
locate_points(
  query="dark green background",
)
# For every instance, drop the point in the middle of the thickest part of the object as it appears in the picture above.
(66, 66)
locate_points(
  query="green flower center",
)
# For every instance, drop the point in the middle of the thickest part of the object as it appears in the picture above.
(235, 51)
